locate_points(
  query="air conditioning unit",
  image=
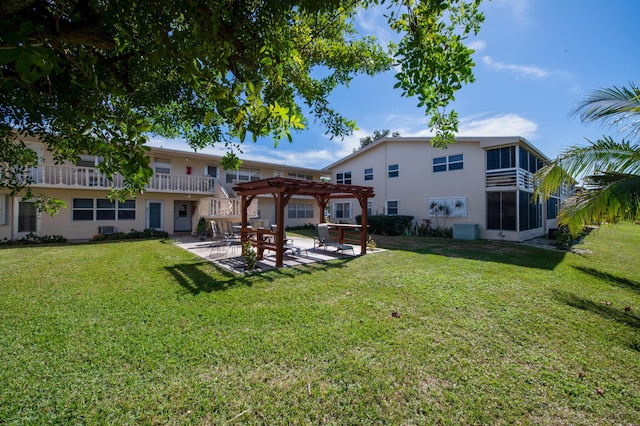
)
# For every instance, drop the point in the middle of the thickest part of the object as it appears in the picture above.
(105, 230)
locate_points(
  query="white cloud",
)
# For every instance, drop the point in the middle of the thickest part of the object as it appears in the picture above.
(508, 124)
(519, 71)
(477, 45)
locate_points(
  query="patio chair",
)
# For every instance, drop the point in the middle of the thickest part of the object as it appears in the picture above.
(219, 239)
(289, 245)
(324, 240)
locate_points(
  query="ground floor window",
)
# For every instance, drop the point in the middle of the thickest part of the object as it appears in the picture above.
(300, 211)
(530, 212)
(393, 207)
(501, 210)
(89, 209)
(552, 208)
(342, 210)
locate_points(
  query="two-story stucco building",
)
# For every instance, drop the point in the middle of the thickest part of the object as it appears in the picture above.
(483, 181)
(184, 187)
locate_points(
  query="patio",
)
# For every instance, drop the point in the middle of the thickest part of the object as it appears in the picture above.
(231, 259)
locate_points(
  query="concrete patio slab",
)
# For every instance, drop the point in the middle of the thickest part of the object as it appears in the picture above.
(230, 258)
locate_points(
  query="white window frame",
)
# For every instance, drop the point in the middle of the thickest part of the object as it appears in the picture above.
(344, 178)
(160, 165)
(302, 210)
(370, 208)
(455, 212)
(368, 174)
(335, 210)
(117, 208)
(301, 176)
(445, 162)
(393, 171)
(386, 207)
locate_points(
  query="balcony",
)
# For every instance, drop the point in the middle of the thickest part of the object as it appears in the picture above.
(511, 177)
(73, 177)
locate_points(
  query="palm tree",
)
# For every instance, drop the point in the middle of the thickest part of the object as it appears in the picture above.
(609, 170)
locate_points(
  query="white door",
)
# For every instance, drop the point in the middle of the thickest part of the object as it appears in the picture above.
(182, 216)
(27, 220)
(154, 216)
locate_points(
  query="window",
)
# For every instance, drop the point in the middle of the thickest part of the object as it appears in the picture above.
(162, 165)
(3, 209)
(440, 164)
(344, 178)
(242, 175)
(393, 171)
(530, 212)
(300, 210)
(392, 207)
(105, 209)
(127, 210)
(501, 211)
(300, 176)
(368, 174)
(501, 158)
(529, 161)
(452, 162)
(342, 210)
(370, 208)
(87, 161)
(552, 208)
(82, 209)
(88, 209)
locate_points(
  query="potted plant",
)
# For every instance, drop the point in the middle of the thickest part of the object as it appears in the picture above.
(202, 229)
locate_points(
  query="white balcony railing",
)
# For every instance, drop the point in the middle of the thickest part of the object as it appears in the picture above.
(59, 176)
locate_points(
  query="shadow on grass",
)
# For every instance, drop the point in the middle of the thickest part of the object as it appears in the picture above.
(614, 279)
(608, 312)
(482, 250)
(201, 277)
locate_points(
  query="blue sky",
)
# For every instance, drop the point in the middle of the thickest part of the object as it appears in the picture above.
(534, 60)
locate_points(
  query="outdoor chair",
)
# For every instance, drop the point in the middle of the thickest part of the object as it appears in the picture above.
(220, 240)
(289, 245)
(324, 240)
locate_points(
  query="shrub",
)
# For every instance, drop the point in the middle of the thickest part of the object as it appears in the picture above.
(387, 225)
(310, 226)
(131, 235)
(426, 229)
(33, 239)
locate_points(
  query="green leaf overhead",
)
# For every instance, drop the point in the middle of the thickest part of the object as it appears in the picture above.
(98, 77)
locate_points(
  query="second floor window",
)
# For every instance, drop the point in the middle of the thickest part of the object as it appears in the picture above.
(162, 165)
(368, 174)
(452, 162)
(394, 171)
(501, 158)
(344, 178)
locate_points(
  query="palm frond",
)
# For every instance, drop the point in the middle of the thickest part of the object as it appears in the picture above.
(607, 197)
(616, 106)
(603, 155)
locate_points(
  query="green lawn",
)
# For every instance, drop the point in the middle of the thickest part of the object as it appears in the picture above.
(481, 333)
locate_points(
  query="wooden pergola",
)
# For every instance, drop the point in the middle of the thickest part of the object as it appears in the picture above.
(282, 189)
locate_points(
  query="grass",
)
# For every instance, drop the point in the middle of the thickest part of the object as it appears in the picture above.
(430, 331)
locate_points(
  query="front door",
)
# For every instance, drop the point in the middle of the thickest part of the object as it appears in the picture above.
(182, 216)
(154, 215)
(28, 219)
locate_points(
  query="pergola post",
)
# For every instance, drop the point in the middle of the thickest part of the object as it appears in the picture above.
(364, 232)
